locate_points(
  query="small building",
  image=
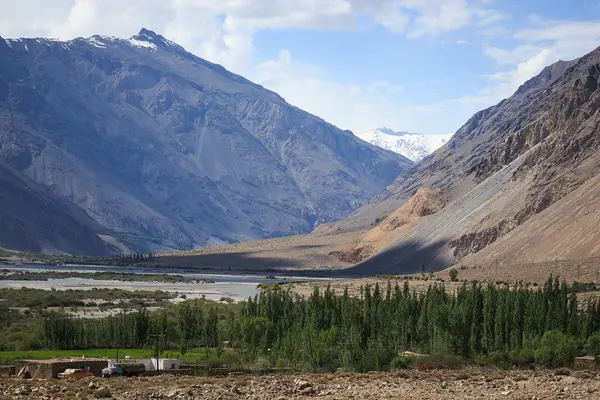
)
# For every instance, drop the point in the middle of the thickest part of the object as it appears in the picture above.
(412, 354)
(587, 362)
(51, 368)
(166, 364)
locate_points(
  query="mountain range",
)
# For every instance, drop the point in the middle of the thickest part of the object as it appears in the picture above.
(516, 185)
(109, 144)
(414, 146)
(511, 196)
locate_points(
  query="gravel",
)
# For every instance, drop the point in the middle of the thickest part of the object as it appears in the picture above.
(465, 384)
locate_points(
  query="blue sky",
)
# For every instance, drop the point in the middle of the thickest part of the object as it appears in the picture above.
(416, 65)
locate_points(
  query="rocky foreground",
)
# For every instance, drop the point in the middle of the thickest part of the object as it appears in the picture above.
(463, 384)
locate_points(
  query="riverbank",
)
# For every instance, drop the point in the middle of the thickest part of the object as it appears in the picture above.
(182, 283)
(42, 276)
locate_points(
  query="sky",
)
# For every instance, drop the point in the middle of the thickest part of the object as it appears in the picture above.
(412, 65)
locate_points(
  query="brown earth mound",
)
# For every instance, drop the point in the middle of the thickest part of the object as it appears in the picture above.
(426, 201)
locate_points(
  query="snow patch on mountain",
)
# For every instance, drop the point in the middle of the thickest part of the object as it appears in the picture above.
(414, 146)
(142, 43)
(96, 43)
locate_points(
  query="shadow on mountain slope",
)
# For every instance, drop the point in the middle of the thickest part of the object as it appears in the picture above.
(407, 257)
(229, 262)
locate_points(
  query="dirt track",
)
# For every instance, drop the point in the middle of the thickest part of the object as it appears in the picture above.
(463, 384)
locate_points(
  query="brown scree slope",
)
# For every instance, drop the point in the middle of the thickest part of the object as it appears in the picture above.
(393, 227)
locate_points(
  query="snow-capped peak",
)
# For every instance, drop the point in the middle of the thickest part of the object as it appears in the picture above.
(414, 146)
(388, 131)
(96, 42)
(142, 44)
(150, 39)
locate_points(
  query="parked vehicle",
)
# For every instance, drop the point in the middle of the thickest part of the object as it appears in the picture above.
(74, 373)
(123, 369)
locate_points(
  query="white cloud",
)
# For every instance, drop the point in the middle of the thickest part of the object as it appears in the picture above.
(541, 44)
(437, 17)
(223, 31)
(506, 83)
(347, 106)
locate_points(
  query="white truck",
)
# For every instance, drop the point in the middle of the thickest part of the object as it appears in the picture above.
(123, 369)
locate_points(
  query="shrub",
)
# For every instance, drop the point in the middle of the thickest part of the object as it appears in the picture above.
(526, 357)
(499, 358)
(579, 287)
(227, 300)
(378, 220)
(556, 349)
(261, 363)
(592, 346)
(400, 362)
(453, 274)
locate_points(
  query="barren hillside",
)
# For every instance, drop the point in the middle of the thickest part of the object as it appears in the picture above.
(516, 185)
(393, 227)
(310, 252)
(165, 150)
(520, 178)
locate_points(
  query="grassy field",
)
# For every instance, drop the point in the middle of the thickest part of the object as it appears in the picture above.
(190, 356)
(94, 353)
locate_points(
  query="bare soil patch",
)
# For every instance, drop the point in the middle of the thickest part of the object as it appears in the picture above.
(464, 384)
(300, 252)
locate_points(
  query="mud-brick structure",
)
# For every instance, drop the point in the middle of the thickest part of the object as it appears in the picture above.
(587, 362)
(51, 368)
(8, 370)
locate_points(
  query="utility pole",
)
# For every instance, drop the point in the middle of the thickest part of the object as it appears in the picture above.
(157, 337)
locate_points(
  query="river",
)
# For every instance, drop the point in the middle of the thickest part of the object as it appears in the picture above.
(237, 287)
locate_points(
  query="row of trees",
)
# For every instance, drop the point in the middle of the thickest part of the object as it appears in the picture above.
(134, 257)
(329, 330)
(189, 327)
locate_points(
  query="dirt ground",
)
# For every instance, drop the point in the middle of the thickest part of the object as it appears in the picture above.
(580, 270)
(462, 384)
(353, 284)
(299, 252)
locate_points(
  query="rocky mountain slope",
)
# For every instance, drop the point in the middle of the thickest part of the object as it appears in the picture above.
(414, 146)
(33, 218)
(165, 150)
(519, 180)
